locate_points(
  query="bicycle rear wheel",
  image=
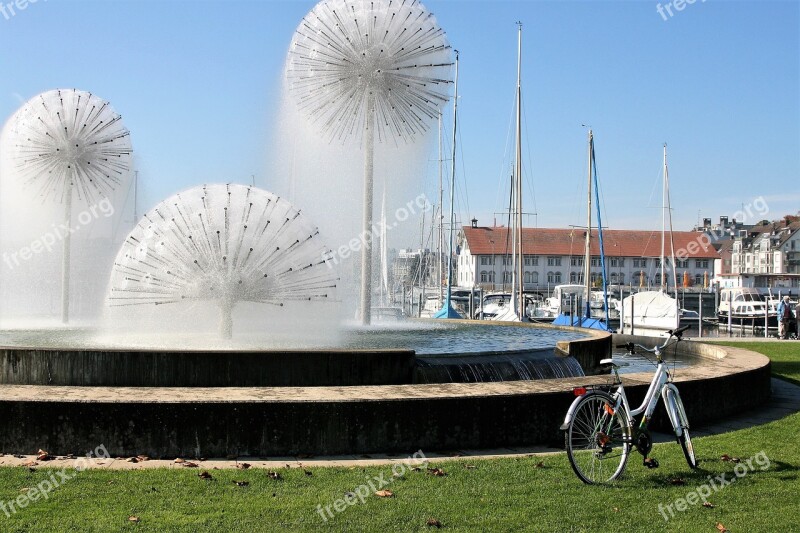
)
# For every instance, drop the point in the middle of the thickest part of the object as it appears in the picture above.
(681, 425)
(598, 439)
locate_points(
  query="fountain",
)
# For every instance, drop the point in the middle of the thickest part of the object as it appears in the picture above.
(278, 383)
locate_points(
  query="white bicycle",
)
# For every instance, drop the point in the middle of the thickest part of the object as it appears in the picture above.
(600, 428)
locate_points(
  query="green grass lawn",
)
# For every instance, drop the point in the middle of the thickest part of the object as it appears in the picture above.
(525, 494)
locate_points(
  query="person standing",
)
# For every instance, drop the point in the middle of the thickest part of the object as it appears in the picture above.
(784, 318)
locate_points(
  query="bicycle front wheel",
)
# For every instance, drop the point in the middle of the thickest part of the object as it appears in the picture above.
(598, 439)
(681, 425)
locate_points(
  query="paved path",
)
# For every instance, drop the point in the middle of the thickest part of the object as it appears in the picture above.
(785, 400)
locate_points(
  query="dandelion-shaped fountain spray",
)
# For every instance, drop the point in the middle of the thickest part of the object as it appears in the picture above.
(225, 244)
(69, 142)
(358, 67)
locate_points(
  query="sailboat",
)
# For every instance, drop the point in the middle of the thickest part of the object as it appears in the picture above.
(447, 311)
(583, 318)
(514, 311)
(656, 311)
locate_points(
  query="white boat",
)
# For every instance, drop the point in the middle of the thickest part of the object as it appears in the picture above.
(656, 312)
(749, 308)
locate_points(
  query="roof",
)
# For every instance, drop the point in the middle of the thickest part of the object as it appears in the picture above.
(560, 242)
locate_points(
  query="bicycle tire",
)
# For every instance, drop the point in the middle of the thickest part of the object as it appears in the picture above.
(679, 420)
(598, 456)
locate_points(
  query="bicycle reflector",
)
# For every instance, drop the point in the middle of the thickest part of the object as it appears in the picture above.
(579, 391)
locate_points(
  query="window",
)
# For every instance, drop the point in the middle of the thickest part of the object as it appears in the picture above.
(558, 276)
(484, 260)
(527, 277)
(595, 261)
(507, 260)
(553, 261)
(658, 262)
(484, 277)
(640, 263)
(551, 277)
(531, 260)
(621, 278)
(613, 278)
(576, 261)
(534, 278)
(699, 263)
(698, 280)
(506, 277)
(683, 264)
(658, 279)
(573, 277)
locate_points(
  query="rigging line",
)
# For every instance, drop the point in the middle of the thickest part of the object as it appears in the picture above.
(506, 158)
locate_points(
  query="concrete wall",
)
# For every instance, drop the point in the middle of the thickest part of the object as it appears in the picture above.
(205, 369)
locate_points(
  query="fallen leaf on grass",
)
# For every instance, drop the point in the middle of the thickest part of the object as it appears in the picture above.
(416, 469)
(132, 459)
(616, 509)
(205, 475)
(540, 464)
(142, 458)
(133, 519)
(728, 459)
(190, 465)
(243, 466)
(470, 467)
(242, 483)
(438, 472)
(274, 475)
(180, 461)
(42, 455)
(721, 528)
(309, 473)
(384, 494)
(432, 522)
(24, 489)
(677, 481)
(708, 504)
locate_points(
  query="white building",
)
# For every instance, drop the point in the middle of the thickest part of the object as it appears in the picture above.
(555, 256)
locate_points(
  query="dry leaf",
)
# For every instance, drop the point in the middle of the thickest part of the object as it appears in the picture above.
(133, 519)
(190, 465)
(243, 466)
(438, 472)
(179, 460)
(274, 475)
(30, 463)
(42, 455)
(384, 494)
(309, 473)
(24, 489)
(470, 467)
(616, 509)
(205, 475)
(721, 528)
(677, 481)
(242, 483)
(432, 522)
(540, 464)
(132, 460)
(142, 458)
(728, 459)
(708, 504)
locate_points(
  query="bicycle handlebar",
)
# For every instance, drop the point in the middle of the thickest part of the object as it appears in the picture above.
(678, 334)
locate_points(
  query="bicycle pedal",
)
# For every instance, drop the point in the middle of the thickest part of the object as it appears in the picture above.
(650, 463)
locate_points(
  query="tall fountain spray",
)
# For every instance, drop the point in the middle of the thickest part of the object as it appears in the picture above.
(361, 67)
(68, 142)
(225, 244)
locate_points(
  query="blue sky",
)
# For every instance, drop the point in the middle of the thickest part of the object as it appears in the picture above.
(199, 86)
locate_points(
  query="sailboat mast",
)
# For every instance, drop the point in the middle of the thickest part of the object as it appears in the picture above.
(587, 260)
(518, 259)
(440, 240)
(452, 191)
(669, 214)
(663, 218)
